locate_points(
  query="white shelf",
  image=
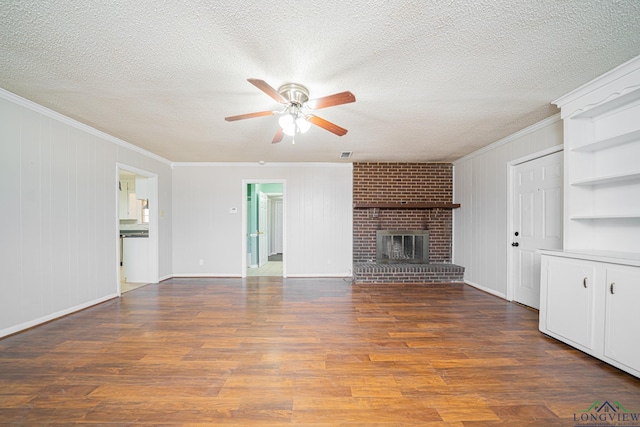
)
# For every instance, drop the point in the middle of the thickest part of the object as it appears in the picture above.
(602, 169)
(600, 180)
(605, 143)
(600, 217)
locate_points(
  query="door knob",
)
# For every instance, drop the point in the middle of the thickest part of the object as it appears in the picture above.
(516, 244)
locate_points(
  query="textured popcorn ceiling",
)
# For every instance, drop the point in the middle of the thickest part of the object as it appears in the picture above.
(434, 80)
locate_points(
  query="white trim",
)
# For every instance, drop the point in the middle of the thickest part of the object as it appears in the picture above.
(76, 124)
(600, 81)
(154, 218)
(200, 275)
(246, 182)
(258, 165)
(514, 136)
(53, 316)
(510, 227)
(536, 155)
(485, 289)
(345, 275)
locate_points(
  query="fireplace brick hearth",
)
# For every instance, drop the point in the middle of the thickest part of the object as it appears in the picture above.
(372, 272)
(402, 188)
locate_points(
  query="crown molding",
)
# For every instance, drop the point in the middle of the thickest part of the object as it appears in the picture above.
(507, 139)
(23, 102)
(261, 165)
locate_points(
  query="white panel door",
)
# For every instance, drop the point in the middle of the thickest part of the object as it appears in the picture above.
(263, 238)
(537, 222)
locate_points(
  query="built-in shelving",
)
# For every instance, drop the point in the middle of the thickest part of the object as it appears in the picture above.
(601, 180)
(589, 290)
(614, 101)
(603, 217)
(602, 171)
(605, 143)
(425, 205)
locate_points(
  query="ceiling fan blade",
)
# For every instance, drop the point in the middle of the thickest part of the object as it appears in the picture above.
(331, 100)
(278, 136)
(249, 116)
(266, 88)
(327, 125)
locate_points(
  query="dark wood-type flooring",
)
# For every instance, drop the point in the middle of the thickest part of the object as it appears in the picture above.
(268, 351)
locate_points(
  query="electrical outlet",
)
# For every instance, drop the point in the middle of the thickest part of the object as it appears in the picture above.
(201, 262)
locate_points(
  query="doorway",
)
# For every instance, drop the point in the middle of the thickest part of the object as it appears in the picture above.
(536, 222)
(137, 219)
(263, 235)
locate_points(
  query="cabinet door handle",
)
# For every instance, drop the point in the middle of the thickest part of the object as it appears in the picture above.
(584, 282)
(611, 288)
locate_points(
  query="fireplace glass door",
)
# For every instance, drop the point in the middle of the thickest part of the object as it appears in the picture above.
(402, 246)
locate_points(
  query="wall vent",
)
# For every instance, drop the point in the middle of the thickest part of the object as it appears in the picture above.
(346, 154)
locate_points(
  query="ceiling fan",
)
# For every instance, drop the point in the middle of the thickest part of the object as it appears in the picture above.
(296, 116)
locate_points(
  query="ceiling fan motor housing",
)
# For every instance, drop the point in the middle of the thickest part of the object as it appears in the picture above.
(295, 93)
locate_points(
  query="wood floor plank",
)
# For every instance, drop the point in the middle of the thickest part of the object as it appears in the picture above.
(318, 352)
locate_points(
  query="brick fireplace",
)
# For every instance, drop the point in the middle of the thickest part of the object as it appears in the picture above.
(403, 196)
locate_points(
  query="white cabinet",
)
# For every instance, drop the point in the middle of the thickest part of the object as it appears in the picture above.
(590, 291)
(142, 188)
(570, 295)
(622, 316)
(590, 301)
(127, 198)
(136, 260)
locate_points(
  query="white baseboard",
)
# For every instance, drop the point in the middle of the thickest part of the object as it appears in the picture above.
(345, 275)
(196, 275)
(31, 323)
(485, 289)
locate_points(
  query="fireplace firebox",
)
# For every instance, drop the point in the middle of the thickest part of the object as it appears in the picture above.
(402, 246)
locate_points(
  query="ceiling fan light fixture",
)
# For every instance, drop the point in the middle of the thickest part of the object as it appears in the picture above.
(286, 122)
(302, 123)
(289, 130)
(293, 123)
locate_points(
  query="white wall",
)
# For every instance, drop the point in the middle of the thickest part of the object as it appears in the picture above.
(318, 217)
(480, 186)
(58, 249)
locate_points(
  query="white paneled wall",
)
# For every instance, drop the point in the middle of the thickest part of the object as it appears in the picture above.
(58, 249)
(481, 224)
(317, 216)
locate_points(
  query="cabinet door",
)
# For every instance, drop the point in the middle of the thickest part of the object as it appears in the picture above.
(570, 292)
(622, 316)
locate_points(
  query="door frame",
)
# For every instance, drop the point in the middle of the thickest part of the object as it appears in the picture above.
(275, 205)
(511, 167)
(244, 236)
(154, 263)
(263, 239)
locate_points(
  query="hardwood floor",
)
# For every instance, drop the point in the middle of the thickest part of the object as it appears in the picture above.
(324, 352)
